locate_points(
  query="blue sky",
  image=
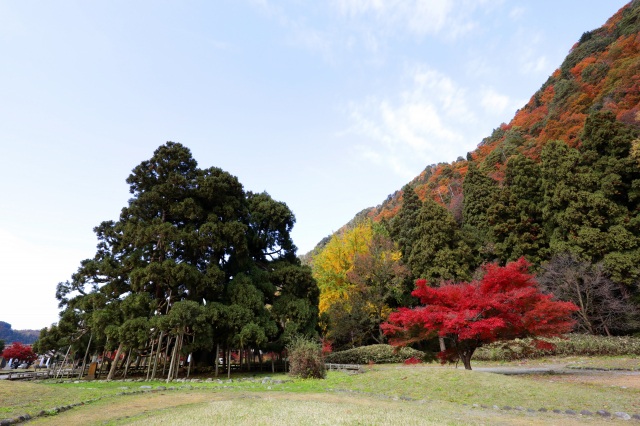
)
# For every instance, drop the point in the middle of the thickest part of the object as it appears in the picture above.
(329, 106)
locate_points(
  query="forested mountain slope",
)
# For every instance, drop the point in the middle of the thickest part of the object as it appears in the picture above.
(558, 185)
(601, 73)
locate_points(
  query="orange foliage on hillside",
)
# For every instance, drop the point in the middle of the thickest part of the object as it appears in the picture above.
(602, 72)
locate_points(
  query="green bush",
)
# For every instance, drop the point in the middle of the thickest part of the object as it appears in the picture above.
(378, 354)
(572, 345)
(305, 359)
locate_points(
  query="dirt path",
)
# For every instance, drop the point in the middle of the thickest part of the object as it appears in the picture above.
(111, 409)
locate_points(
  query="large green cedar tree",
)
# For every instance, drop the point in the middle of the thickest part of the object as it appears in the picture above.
(192, 254)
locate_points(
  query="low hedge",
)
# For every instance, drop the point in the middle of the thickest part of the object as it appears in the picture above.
(571, 345)
(378, 354)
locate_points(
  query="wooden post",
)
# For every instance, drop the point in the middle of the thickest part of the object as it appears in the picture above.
(150, 358)
(173, 357)
(229, 363)
(155, 361)
(63, 362)
(190, 361)
(217, 357)
(115, 362)
(84, 360)
(166, 354)
(126, 366)
(180, 343)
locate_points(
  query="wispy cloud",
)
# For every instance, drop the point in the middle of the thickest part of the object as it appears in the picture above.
(517, 13)
(371, 24)
(419, 17)
(493, 102)
(528, 56)
(421, 125)
(433, 119)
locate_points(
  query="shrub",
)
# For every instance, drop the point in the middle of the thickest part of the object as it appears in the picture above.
(378, 354)
(572, 345)
(305, 359)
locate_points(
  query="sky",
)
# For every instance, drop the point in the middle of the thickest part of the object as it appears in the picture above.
(329, 106)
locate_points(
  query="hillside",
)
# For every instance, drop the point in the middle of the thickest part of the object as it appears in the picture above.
(601, 73)
(23, 336)
(559, 186)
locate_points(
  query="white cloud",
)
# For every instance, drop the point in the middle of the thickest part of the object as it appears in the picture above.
(516, 13)
(537, 65)
(429, 121)
(529, 58)
(419, 17)
(493, 102)
(433, 119)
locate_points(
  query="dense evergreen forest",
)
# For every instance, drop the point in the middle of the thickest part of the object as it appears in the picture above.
(559, 185)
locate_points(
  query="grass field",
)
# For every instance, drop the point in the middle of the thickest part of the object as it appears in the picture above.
(389, 394)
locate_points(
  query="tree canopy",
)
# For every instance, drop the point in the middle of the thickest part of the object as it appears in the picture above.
(20, 352)
(194, 256)
(505, 304)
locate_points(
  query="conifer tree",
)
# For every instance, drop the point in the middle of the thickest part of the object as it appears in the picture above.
(439, 252)
(516, 215)
(591, 208)
(403, 224)
(193, 235)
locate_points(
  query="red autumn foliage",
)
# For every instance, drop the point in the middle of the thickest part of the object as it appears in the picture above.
(505, 304)
(21, 352)
(327, 347)
(412, 361)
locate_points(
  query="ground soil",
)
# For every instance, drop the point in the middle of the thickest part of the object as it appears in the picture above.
(110, 409)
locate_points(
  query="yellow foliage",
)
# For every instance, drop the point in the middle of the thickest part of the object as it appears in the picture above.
(333, 263)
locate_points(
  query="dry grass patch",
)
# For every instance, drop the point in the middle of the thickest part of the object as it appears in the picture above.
(323, 409)
(469, 387)
(382, 395)
(123, 407)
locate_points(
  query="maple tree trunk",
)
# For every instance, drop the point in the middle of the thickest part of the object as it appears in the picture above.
(466, 360)
(465, 356)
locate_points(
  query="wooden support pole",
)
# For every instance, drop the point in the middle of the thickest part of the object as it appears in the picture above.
(84, 360)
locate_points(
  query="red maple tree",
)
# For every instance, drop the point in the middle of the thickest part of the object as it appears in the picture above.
(505, 304)
(22, 353)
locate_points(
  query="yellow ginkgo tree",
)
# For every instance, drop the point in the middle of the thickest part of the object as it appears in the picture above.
(359, 273)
